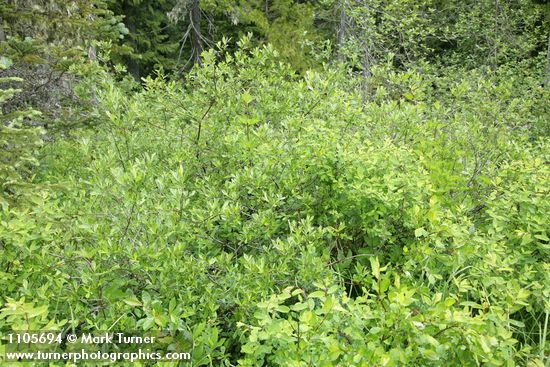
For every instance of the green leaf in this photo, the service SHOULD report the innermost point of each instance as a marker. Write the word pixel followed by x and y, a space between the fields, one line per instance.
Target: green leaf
pixel 133 301
pixel 420 232
pixel 246 98
pixel 375 266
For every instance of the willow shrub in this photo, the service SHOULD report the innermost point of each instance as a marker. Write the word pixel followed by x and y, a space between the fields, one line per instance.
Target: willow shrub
pixel 266 217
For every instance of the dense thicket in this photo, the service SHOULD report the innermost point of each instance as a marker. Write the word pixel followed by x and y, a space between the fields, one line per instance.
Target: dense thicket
pixel 352 183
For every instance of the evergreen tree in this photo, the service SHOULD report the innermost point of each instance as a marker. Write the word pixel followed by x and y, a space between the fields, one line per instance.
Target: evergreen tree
pixel 152 38
pixel 44 39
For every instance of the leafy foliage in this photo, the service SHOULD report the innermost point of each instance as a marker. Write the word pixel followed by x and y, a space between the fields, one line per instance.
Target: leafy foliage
pixel 386 208
pixel 277 218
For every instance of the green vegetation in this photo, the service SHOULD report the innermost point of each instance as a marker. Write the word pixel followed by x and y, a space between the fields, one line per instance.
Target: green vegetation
pixel 349 184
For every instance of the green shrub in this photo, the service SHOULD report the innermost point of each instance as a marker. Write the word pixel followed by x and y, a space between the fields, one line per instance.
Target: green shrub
pixel 262 217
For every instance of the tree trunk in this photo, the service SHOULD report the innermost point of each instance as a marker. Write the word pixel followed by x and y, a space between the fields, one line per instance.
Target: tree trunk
pixel 2 33
pixel 548 64
pixel 196 36
pixel 341 34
